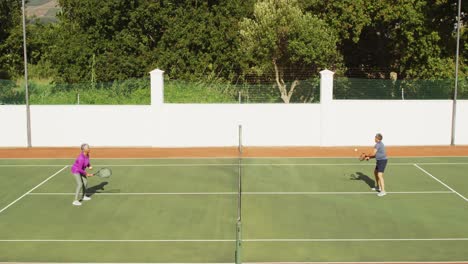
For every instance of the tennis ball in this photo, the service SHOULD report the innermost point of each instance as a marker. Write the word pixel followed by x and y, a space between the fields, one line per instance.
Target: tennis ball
pixel 355 150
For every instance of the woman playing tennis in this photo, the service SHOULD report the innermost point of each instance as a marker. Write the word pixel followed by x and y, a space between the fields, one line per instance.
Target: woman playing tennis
pixel 79 172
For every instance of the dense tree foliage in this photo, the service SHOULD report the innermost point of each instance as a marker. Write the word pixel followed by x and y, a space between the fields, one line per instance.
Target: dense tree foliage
pixel 10 38
pixel 118 39
pixel 414 38
pixel 281 37
pixel 223 39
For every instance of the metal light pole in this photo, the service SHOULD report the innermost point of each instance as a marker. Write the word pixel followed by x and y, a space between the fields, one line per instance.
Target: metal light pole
pixel 28 115
pixel 454 106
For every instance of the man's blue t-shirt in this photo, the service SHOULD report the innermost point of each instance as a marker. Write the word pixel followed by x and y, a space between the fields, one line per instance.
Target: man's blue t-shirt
pixel 381 153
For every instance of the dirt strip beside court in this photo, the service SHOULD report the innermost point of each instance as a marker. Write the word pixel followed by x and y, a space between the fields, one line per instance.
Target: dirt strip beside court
pixel 209 152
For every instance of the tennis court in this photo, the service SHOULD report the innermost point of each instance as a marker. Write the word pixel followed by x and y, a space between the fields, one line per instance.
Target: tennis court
pixel 186 210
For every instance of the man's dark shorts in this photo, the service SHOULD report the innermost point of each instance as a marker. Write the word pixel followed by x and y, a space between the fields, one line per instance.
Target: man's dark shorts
pixel 381 164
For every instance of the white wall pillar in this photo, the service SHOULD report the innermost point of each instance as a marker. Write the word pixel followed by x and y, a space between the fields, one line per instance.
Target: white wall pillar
pixel 326 86
pixel 157 107
pixel 326 99
pixel 157 87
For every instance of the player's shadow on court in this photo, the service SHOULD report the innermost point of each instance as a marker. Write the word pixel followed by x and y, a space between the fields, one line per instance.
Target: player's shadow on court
pixel 359 176
pixel 96 188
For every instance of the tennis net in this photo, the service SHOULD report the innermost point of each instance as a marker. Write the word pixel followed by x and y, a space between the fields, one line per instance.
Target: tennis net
pixel 239 202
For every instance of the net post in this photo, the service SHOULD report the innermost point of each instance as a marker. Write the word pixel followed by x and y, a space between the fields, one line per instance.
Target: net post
pixel 239 207
pixel 238 252
pixel 240 140
pixel 238 242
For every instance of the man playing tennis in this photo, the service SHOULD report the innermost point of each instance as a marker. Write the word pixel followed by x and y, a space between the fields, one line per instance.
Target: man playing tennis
pixel 79 172
pixel 381 157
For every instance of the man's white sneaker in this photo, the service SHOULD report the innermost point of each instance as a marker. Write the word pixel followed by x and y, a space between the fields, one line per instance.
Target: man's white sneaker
pixel 77 203
pixel 86 198
pixel 381 194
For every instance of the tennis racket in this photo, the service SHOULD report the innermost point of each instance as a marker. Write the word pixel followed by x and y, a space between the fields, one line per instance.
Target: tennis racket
pixel 103 173
pixel 362 157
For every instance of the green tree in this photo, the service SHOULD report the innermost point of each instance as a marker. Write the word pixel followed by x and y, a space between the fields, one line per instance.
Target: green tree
pixel 218 39
pixel 128 38
pixel 411 37
pixel 414 38
pixel 347 17
pixel 280 37
pixel 10 38
pixel 413 44
pixel 104 29
pixel 201 39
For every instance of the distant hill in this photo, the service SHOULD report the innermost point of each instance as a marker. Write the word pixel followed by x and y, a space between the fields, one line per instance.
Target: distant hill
pixel 44 10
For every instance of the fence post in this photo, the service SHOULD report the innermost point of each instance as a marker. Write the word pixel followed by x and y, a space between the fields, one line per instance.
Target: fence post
pixel 326 98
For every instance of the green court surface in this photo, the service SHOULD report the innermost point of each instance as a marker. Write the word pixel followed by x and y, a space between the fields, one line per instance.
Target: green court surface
pixel 185 211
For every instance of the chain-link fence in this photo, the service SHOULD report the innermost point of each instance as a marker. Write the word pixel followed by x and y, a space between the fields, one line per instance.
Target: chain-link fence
pixel 357 88
pixel 245 92
pixel 127 92
pixel 137 91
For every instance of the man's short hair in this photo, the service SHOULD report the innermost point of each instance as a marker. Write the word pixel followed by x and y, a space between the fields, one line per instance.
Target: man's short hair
pixel 379 136
pixel 84 146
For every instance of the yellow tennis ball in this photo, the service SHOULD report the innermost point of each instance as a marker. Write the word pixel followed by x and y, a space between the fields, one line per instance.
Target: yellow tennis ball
pixel 355 150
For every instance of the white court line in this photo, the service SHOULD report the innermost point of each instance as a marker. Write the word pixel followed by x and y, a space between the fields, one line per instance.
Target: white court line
pixel 192 262
pixel 236 156
pixel 441 182
pixel 30 165
pixel 63 262
pixel 346 262
pixel 28 192
pixel 213 165
pixel 354 239
pixel 315 164
pixel 443 163
pixel 236 164
pixel 244 240
pixel 250 164
pixel 128 165
pixel 349 262
pixel 271 262
pixel 148 193
pixel 117 240
pixel 324 193
pixel 251 193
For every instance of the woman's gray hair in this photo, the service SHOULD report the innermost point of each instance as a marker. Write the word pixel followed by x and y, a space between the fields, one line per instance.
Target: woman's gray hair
pixel 84 146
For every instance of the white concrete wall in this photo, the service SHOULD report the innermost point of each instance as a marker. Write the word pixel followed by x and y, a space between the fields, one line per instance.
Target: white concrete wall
pixel 98 125
pixel 13 126
pixel 355 122
pixel 461 125
pixel 330 123
pixel 217 125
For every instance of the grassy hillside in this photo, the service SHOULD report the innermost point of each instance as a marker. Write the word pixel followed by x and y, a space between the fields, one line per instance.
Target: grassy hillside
pixel 44 10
